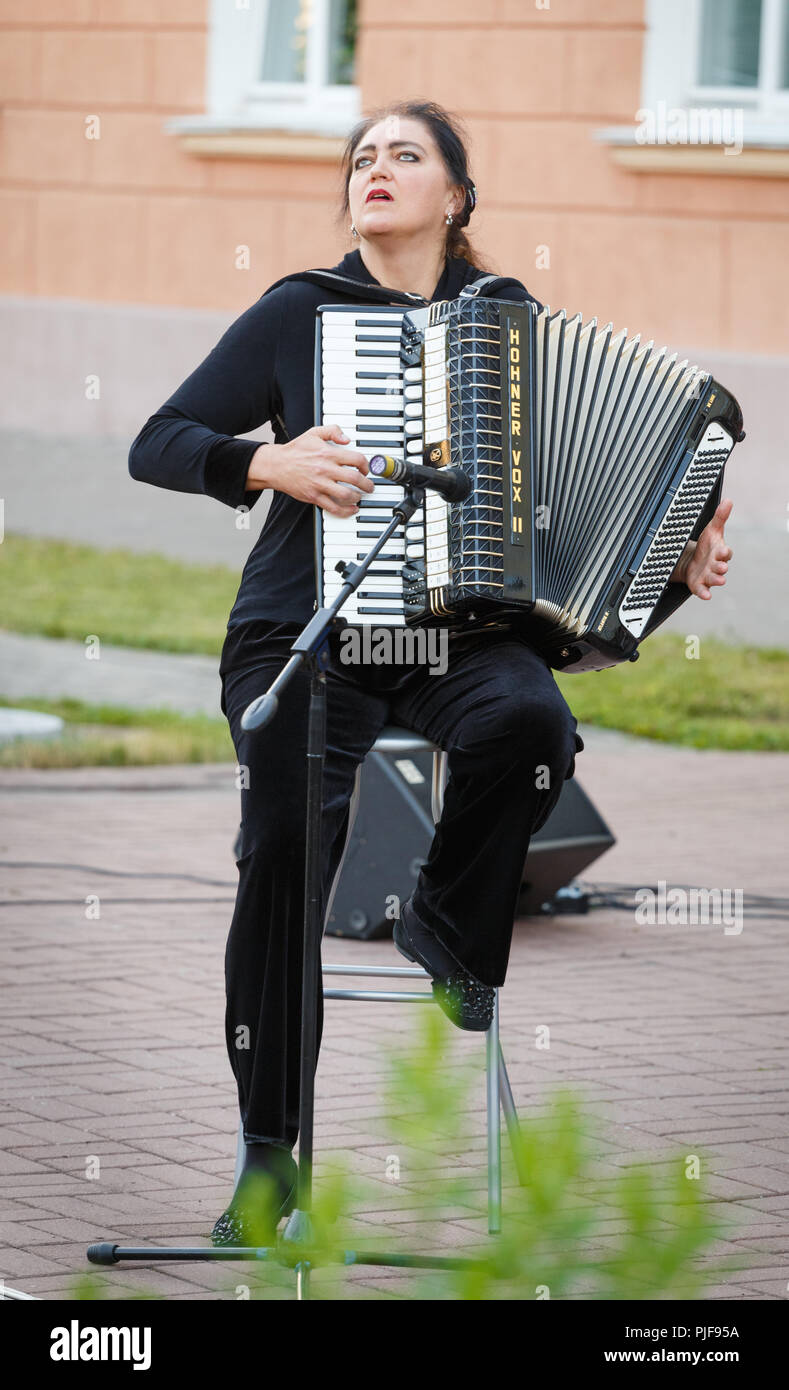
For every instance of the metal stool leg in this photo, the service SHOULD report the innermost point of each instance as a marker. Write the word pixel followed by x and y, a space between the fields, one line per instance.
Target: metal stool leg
pixel 440 774
pixel 511 1116
pixel 494 1121
pixel 240 1148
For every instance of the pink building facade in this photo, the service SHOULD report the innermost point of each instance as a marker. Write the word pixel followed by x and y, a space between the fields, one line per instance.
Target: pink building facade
pixel 163 161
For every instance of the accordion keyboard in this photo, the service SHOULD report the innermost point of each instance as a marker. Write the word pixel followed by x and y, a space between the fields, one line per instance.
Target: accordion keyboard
pixel 365 388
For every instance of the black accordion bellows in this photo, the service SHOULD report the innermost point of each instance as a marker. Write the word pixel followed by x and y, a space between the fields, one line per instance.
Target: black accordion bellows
pixel 593 458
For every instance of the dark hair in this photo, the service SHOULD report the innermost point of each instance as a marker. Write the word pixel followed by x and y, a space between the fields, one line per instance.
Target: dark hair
pixel 446 130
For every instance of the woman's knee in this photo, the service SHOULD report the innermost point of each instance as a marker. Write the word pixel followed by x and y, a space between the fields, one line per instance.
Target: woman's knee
pixel 274 815
pixel 533 728
pixel 272 836
pixel 272 808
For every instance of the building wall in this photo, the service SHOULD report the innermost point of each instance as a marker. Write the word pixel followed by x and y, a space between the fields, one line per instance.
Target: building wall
pixel 133 218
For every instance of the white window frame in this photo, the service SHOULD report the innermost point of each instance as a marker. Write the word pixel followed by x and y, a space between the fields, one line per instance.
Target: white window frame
pixel 671 52
pixel 238 99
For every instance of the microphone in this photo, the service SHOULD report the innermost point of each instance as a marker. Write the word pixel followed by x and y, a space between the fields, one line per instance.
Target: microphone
pixel 451 483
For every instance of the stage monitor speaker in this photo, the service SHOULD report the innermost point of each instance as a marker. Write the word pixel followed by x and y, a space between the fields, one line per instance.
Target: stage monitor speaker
pixel 393 830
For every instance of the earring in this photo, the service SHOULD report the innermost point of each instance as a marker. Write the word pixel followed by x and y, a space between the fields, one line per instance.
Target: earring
pixel 449 219
pixel 353 230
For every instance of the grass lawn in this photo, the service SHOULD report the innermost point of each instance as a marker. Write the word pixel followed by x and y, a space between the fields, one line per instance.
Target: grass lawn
pixel 728 697
pixel 56 589
pixel 111 736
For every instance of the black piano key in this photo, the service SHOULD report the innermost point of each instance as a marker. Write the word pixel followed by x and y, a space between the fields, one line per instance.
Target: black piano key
pixel 385 414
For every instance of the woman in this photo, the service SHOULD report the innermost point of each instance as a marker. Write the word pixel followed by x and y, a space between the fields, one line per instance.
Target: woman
pixel 496 708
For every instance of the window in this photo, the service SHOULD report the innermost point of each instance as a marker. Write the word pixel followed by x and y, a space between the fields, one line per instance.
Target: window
pixel 721 53
pixel 280 64
pixel 742 52
pixel 304 40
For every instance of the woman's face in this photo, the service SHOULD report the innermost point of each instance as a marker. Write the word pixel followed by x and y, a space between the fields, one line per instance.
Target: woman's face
pixel 398 157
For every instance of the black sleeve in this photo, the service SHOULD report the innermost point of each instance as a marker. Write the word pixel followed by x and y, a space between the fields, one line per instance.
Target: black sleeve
pixel 189 444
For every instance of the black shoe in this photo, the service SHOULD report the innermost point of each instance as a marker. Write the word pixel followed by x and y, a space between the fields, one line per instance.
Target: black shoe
pixel 255 1211
pixel 465 1000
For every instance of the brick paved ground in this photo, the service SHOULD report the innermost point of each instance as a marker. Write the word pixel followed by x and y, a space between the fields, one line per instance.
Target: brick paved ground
pixel 112 1031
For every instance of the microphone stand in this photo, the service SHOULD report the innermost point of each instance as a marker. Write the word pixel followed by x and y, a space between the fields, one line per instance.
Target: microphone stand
pixel 311 647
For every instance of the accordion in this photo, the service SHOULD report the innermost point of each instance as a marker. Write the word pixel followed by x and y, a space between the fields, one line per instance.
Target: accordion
pixel 592 457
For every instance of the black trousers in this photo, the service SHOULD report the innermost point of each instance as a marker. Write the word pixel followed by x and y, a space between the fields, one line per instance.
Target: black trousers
pixel 511 740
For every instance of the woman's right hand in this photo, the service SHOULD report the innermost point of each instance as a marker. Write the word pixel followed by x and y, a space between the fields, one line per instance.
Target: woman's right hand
pixel 314 467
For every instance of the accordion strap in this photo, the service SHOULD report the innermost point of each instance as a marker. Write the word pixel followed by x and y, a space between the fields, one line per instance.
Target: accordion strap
pixel 358 289
pixel 329 279
pixel 476 286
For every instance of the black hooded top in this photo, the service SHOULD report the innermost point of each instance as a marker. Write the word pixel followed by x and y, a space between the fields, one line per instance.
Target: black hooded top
pixel 262 369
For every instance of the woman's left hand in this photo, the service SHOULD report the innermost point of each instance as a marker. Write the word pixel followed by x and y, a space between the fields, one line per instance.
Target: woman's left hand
pixel 706 566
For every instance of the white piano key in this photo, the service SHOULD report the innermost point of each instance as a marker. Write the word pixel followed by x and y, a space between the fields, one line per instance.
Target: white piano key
pixel 350 407
pixel 362 373
pixel 382 405
pixel 337 547
pixel 381 584
pixel 390 583
pixel 381 605
pixel 343 381
pixel 350 411
pixel 374 528
pixel 391 401
pixel 380 435
pixel 383 384
pixel 392 564
pixel 373 520
pixel 362 342
pixel 388 389
pixel 354 328
pixel 375 362
pixel 354 312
